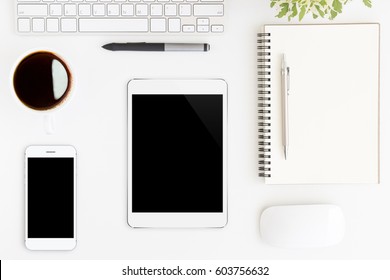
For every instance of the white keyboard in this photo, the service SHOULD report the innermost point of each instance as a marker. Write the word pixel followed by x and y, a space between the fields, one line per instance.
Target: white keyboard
pixel 120 16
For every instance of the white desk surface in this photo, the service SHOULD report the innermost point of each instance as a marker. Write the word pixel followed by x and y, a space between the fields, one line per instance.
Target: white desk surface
pixel 95 123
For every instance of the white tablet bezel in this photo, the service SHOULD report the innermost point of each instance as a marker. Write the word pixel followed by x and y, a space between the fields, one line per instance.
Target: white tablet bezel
pixel 168 86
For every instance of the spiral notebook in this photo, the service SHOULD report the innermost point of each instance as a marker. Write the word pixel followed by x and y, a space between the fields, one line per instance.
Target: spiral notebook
pixel 333 103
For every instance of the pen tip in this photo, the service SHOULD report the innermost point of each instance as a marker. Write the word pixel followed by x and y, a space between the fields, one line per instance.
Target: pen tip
pixel 107 47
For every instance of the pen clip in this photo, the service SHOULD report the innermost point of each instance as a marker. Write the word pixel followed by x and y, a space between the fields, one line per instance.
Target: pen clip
pixel 288 80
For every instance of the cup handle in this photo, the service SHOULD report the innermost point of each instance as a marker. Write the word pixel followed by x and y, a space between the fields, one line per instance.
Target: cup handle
pixel 48 122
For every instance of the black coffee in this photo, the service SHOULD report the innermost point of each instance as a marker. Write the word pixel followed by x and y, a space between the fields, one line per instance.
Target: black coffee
pixel 42 81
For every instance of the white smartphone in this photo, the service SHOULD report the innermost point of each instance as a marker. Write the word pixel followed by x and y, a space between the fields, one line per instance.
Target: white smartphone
pixel 50 197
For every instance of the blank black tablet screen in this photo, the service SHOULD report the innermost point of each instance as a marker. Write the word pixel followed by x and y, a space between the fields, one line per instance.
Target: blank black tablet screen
pixel 177 153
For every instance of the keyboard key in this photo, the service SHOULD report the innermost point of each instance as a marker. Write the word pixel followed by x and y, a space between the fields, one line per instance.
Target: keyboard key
pixel 141 10
pixel 55 10
pixel 98 10
pixel 68 25
pixel 217 28
pixel 203 21
pixel 84 10
pixel 70 9
pixel 188 28
pixel 113 25
pixel 203 28
pixel 32 10
pixel 156 10
pixel 38 25
pixel 208 10
pixel 170 10
pixel 113 10
pixel 24 25
pixel 174 25
pixel 185 9
pixel 52 25
pixel 127 10
pixel 158 25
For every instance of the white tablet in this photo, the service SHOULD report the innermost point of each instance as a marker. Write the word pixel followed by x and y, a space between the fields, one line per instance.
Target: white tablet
pixel 177 153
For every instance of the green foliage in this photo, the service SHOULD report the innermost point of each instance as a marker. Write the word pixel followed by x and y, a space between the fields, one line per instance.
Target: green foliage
pixel 318 8
pixel 367 3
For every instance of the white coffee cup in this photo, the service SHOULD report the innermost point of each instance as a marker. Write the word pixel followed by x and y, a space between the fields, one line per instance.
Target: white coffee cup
pixel 42 83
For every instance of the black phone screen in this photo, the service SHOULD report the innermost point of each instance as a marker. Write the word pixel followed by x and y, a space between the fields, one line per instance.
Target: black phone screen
pixel 50 197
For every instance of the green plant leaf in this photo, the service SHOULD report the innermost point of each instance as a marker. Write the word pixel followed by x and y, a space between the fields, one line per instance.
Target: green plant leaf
pixel 283 11
pixel 323 3
pixel 302 13
pixel 294 10
pixel 321 13
pixel 337 6
pixel 333 14
pixel 367 3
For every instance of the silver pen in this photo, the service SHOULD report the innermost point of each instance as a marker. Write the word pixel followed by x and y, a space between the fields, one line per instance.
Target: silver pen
pixel 285 94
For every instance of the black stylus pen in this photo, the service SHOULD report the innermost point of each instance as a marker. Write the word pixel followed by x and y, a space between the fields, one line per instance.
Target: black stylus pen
pixel 157 47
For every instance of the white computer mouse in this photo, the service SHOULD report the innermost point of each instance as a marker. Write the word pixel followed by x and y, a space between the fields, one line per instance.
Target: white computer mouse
pixel 302 226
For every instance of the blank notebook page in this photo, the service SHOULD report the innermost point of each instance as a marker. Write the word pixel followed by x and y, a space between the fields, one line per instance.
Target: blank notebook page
pixel 333 104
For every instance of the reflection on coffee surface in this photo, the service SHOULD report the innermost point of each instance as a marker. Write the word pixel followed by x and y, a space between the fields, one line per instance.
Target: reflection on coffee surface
pixel 42 81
